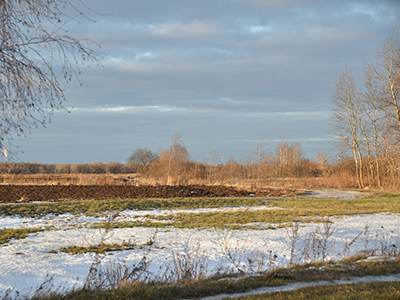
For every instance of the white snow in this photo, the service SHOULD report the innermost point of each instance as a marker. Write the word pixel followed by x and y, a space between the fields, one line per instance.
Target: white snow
pixel 25 263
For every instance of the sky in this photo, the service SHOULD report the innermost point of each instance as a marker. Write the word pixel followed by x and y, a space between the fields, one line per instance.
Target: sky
pixel 223 74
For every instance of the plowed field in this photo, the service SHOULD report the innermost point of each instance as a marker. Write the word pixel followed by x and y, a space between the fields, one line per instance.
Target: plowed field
pixel 29 193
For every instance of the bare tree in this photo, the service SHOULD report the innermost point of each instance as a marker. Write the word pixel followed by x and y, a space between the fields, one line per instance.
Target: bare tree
pixel 323 161
pixel 35 52
pixel 375 123
pixel 287 158
pixel 345 120
pixel 386 72
pixel 210 162
pixel 260 154
pixel 282 158
pixel 385 77
pixel 142 158
pixel 177 157
pixel 296 154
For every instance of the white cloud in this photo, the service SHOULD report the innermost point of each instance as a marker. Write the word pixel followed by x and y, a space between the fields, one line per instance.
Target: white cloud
pixel 191 29
pixel 135 109
pixel 260 29
pixel 376 11
pixel 145 56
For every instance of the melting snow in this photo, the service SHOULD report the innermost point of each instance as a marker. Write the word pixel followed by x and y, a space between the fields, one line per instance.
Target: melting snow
pixel 25 263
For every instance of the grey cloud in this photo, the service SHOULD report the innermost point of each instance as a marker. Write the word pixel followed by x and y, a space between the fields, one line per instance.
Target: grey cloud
pixel 85 135
pixel 222 72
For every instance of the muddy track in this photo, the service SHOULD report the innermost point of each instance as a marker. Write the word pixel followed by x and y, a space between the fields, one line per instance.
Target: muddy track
pixel 29 193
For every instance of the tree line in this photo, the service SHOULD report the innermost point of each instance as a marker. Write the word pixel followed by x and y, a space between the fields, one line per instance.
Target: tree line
pixel 286 166
pixel 92 168
pixel 174 165
pixel 366 123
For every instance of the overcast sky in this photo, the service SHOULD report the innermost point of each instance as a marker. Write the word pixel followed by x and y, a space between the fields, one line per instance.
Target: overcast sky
pixel 225 74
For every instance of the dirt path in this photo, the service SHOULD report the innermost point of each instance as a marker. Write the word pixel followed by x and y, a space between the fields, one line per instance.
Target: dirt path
pixel 337 194
pixel 298 285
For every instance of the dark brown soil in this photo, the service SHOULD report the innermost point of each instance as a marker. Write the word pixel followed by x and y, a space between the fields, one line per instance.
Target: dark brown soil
pixel 28 193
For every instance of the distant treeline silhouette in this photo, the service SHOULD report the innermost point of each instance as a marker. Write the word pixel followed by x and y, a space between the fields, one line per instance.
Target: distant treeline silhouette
pixel 92 168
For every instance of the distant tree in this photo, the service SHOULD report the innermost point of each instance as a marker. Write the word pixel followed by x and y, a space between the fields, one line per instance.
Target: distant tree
pixel 259 161
pixel 178 157
pixel 323 160
pixel 173 163
pixel 210 163
pixel 287 158
pixel 233 169
pixel 114 168
pixel 142 158
pixel 35 52
pixel 63 168
pixel 178 153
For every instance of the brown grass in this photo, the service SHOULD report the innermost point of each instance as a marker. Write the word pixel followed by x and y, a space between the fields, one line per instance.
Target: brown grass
pixel 339 176
pixel 64 179
pixel 334 181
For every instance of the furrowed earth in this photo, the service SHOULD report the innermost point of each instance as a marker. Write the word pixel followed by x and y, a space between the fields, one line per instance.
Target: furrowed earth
pixel 33 193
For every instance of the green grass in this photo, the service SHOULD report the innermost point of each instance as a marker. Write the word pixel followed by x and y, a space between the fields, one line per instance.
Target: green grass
pixel 101 249
pixel 99 207
pixel 330 207
pixel 230 220
pixel 288 210
pixel 291 208
pixel 7 234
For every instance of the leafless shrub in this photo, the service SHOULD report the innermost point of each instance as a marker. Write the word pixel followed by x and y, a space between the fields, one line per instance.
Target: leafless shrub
pixel 327 243
pixel 388 245
pixel 294 237
pixel 191 264
pixel 365 237
pixel 235 251
pixel 115 273
pixel 41 291
pixel 318 243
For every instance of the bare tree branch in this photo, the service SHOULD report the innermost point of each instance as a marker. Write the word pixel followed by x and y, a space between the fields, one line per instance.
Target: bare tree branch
pixel 35 53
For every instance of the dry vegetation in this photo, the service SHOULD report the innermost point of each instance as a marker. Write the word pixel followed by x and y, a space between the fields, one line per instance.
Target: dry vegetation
pixel 285 168
pixel 95 173
pixel 270 171
pixel 64 179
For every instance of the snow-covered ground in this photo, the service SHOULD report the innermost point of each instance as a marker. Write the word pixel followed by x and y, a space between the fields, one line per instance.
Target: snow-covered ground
pixel 25 263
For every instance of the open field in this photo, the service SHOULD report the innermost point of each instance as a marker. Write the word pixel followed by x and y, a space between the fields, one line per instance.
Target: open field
pixel 195 239
pixel 33 193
